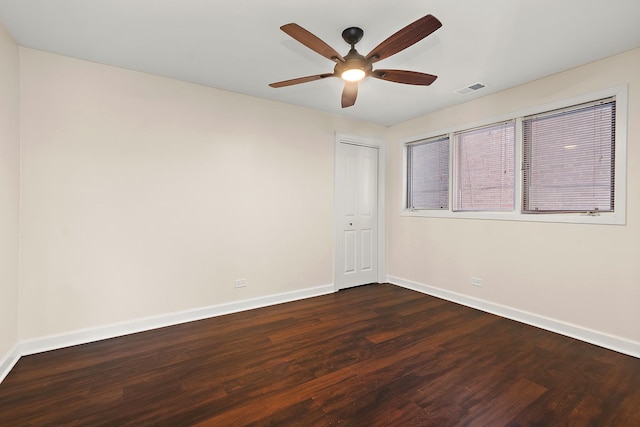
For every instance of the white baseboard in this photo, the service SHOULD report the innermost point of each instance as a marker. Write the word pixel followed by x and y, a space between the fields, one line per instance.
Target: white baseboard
pixel 611 342
pixel 8 361
pixel 39 345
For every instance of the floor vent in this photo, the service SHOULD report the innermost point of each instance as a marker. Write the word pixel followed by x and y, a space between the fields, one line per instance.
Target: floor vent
pixel 471 88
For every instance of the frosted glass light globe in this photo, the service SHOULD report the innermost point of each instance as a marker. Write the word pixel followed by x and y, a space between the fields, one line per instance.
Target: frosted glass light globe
pixel 353 75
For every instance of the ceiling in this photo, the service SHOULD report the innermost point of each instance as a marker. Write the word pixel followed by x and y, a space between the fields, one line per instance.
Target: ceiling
pixel 236 45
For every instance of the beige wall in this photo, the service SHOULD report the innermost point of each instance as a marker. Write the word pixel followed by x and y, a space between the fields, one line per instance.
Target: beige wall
pixel 585 275
pixel 144 196
pixel 9 189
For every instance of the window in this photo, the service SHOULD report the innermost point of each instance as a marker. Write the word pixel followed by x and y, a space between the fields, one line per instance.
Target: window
pixel 483 168
pixel 562 162
pixel 428 174
pixel 568 163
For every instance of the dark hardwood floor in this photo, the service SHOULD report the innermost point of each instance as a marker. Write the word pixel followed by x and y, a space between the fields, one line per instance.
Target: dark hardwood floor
pixel 376 355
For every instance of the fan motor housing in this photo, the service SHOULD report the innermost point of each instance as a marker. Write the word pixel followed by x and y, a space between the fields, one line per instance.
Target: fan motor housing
pixel 353 60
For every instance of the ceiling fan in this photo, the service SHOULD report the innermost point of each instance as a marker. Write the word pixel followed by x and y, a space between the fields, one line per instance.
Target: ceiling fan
pixel 353 67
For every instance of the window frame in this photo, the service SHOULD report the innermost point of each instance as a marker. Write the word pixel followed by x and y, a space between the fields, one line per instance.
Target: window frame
pixel 617 217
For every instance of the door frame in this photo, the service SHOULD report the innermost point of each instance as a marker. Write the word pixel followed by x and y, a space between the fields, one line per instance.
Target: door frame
pixel 337 216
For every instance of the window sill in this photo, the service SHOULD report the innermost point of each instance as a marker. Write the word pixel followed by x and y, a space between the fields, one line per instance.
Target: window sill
pixel 605 218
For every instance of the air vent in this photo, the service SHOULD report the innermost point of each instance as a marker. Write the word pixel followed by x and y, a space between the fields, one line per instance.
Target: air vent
pixel 471 88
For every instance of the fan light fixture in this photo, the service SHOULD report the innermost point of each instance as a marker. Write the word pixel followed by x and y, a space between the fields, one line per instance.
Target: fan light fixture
pixel 354 67
pixel 353 75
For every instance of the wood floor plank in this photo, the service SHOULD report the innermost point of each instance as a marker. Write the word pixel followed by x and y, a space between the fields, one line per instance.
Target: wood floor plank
pixel 507 405
pixel 377 355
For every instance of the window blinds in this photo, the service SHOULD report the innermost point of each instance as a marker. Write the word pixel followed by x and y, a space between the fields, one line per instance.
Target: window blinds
pixel 483 168
pixel 428 173
pixel 568 159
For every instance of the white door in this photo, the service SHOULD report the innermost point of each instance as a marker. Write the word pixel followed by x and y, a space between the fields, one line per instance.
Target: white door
pixel 356 215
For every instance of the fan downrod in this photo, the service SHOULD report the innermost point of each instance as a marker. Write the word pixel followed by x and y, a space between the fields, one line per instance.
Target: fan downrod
pixel 352 35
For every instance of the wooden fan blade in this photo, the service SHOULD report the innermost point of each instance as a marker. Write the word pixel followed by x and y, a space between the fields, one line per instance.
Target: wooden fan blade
pixel 301 80
pixel 404 38
pixel 349 94
pixel 312 42
pixel 404 76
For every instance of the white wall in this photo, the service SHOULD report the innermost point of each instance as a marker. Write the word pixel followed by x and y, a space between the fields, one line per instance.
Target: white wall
pixel 582 275
pixel 144 196
pixel 9 186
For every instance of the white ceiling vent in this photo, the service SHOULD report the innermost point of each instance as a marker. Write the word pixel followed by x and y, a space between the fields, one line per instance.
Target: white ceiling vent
pixel 471 88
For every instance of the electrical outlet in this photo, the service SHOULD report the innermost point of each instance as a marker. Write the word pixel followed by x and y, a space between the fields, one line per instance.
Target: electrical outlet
pixel 240 283
pixel 476 281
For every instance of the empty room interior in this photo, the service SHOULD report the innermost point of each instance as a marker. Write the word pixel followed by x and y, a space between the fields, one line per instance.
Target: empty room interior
pixel 407 249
